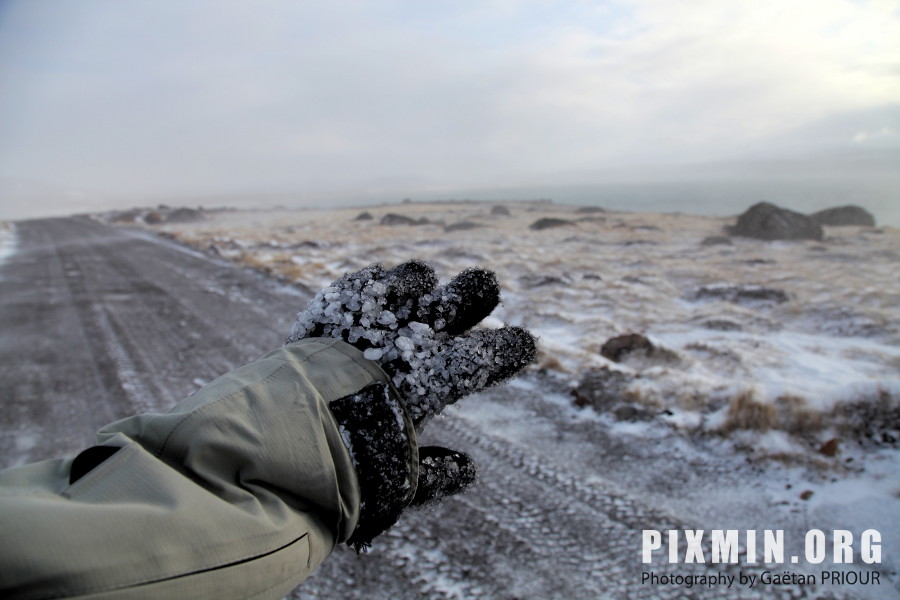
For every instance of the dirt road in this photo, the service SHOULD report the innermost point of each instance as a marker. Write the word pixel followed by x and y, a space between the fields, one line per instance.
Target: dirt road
pixel 98 323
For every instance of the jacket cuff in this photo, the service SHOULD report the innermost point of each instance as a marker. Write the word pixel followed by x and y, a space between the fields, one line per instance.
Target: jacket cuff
pixel 382 443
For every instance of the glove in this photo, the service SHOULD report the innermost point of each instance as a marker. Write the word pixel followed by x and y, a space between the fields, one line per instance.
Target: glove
pixel 419 333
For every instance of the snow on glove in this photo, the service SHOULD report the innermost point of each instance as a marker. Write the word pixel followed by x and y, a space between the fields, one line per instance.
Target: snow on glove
pixel 415 331
pixel 420 335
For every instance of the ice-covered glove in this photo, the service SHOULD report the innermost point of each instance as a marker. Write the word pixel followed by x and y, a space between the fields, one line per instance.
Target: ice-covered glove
pixel 422 336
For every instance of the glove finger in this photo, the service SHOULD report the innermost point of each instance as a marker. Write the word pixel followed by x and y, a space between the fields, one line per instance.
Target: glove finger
pixel 463 303
pixel 501 352
pixel 406 283
pixel 464 365
pixel 442 472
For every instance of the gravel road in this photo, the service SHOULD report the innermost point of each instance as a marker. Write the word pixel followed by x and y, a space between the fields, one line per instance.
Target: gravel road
pixel 98 323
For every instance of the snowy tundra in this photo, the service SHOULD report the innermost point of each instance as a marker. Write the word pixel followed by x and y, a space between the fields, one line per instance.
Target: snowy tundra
pixel 765 393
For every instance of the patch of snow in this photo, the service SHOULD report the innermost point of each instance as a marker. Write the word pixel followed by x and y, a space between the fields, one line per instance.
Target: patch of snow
pixel 7 240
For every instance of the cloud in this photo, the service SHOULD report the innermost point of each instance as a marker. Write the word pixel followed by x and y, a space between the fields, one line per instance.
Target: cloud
pixel 200 96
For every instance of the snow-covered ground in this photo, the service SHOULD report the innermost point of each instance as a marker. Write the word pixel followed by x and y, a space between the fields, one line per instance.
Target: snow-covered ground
pixel 777 358
pixel 805 328
pixel 7 239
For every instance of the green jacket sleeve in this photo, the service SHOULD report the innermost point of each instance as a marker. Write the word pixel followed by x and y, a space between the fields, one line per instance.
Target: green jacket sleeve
pixel 239 491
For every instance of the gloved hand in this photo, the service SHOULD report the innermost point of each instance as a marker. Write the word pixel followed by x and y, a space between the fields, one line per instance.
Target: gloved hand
pixel 419 334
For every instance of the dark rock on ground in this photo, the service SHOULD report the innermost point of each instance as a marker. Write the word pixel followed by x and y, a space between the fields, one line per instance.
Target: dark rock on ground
pixel 535 281
pixel 462 226
pixel 615 349
pixel 717 240
pixel 831 447
pixel 550 223
pixel 722 325
pixel 740 294
pixel 871 421
pixel 364 216
pixel 844 215
pixel 500 211
pixel 395 219
pixel 631 413
pixel 184 215
pixel 128 216
pixel 601 388
pixel 766 221
pixel 587 210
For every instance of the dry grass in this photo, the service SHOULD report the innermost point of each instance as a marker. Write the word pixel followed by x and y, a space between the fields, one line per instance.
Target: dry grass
pixel 746 412
pixel 796 416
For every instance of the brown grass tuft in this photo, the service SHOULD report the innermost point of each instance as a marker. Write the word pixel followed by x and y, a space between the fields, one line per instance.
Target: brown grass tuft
pixel 547 362
pixel 745 412
pixel 796 417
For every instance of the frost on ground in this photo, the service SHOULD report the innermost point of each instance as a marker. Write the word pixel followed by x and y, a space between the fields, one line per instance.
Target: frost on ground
pixel 793 337
pixel 774 358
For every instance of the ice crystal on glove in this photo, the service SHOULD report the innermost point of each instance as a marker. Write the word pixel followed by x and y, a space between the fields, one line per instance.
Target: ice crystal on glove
pixel 415 330
pixel 422 336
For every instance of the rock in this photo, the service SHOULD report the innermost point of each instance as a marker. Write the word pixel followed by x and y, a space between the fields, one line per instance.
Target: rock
pixel 615 349
pixel 462 226
pixel 766 221
pixel 844 215
pixel 550 223
pixel 500 211
pixel 588 210
pixel 364 216
pixel 535 281
pixel 153 218
pixel 716 240
pixel 806 494
pixel 395 219
pixel 740 294
pixel 631 413
pixel 601 388
pixel 128 216
pixel 184 215
pixel 830 448
pixel 722 325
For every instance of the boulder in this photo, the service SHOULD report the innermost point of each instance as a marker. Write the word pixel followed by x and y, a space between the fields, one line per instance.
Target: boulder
pixel 717 240
pixel 549 223
pixel 844 215
pixel 462 226
pixel 153 218
pixel 184 215
pixel 602 389
pixel 500 211
pixel 616 348
pixel 364 216
pixel 395 219
pixel 766 221
pixel 722 325
pixel 740 294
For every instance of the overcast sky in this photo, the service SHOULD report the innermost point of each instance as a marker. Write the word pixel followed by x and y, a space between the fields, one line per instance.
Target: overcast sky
pixel 149 98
